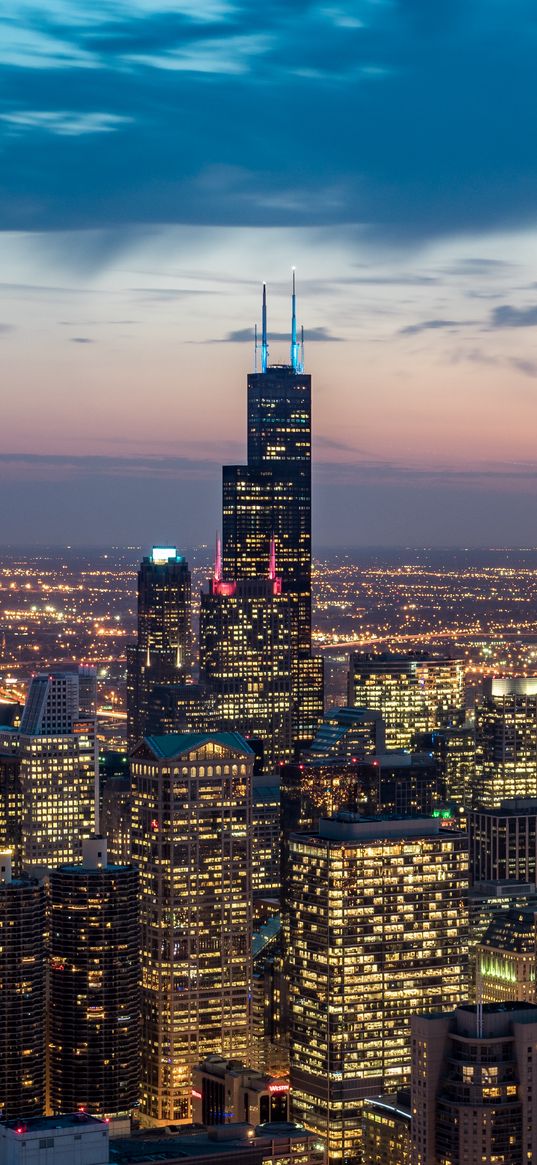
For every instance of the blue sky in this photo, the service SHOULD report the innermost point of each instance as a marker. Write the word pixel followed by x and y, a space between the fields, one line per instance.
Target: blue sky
pixel 160 159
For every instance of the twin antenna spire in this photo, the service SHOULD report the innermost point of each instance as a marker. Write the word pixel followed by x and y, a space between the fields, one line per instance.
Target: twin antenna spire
pixel 297 346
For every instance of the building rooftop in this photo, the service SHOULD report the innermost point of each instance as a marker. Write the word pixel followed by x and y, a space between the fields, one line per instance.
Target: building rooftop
pixel 175 1143
pixel 45 1124
pixel 177 743
pixel 350 827
pixel 512 930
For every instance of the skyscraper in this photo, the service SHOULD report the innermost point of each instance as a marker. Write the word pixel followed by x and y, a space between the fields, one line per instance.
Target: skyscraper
pixel 94 1009
pixel 377 931
pixel 413 693
pixel 49 772
pixel 191 840
pixel 506 741
pixel 270 498
pixel 473 1092
pixel 162 652
pixel 245 659
pixel 22 994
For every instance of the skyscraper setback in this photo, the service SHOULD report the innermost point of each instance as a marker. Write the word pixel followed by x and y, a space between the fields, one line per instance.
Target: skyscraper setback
pixel 270 499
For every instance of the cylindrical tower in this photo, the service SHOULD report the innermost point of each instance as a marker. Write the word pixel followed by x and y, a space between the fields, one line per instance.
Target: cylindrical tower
pixel 94 1027
pixel 22 995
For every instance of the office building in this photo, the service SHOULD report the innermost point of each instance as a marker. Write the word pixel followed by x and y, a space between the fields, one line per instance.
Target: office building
pixel 94 1009
pixel 377 931
pixel 503 842
pixel 191 840
pixel 347 733
pixel 454 751
pixel 22 994
pixel 49 771
pixel 506 741
pixel 162 653
pixel 473 1092
pixel 387 1137
pixel 228 1092
pixel 270 1052
pixel 270 499
pixel 506 958
pixel 10 797
pixel 413 693
pixel 245 660
pixel 266 836
pixel 57 701
pixel 409 783
pixel 182 707
pixel 115 819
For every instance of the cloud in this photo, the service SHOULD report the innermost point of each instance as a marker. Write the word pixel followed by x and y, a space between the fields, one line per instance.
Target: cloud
pixel 431 326
pixel 507 316
pixel 81 340
pixel 232 108
pixel 64 123
pixel 246 336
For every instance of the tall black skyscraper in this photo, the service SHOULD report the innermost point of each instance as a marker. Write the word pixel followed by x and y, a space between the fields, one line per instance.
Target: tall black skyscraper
pixel 270 498
pixel 162 654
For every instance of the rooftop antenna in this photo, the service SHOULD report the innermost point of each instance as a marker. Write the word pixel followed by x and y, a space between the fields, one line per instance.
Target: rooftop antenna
pixel 301 369
pixel 272 559
pixel 294 345
pixel 264 343
pixel 218 560
pixel 255 347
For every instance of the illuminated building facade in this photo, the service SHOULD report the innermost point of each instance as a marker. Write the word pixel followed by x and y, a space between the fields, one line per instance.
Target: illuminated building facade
pixel 163 650
pixel 506 741
pixel 22 994
pixel 48 771
pixel 506 958
pixel 191 841
pixel 10 797
pixel 387 1129
pixel 266 836
pixel 377 931
pixel 454 751
pixel 245 660
pixel 227 1092
pixel 345 733
pixel 413 693
pixel 270 499
pixel 473 1091
pixel 94 1008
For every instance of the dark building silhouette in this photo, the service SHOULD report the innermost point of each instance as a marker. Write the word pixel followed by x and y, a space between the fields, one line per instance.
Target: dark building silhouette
pixel 270 498
pixel 22 995
pixel 162 653
pixel 94 1025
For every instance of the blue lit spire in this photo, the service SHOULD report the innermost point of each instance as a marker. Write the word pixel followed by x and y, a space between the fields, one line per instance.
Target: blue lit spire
pixel 294 344
pixel 264 341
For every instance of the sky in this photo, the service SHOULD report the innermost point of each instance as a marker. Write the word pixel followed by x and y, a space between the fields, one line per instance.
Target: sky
pixel 161 158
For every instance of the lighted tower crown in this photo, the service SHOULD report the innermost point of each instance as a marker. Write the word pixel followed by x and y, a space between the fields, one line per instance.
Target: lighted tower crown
pixel 297 346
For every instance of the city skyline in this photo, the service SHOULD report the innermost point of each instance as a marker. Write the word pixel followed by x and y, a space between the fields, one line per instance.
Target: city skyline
pixel 134 247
